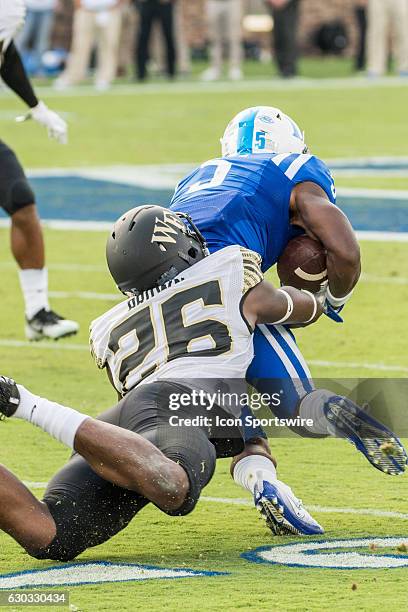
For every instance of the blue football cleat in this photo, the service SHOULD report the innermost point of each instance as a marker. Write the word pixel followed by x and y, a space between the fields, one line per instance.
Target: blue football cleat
pixel 283 511
pixel 377 443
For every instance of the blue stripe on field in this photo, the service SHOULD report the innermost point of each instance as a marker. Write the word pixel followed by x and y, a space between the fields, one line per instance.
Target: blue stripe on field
pixel 376 213
pixel 82 199
pixel 78 198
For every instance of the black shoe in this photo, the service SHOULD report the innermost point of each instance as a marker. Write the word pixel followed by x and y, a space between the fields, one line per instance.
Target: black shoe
pixel 9 397
pixel 48 324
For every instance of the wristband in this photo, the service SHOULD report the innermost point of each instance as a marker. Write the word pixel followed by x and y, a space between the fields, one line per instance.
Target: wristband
pixel 314 303
pixel 335 301
pixel 289 310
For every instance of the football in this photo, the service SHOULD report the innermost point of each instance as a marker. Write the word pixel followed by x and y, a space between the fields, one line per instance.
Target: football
pixel 303 264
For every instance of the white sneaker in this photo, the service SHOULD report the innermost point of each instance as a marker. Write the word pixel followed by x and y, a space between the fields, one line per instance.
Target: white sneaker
pixel 211 74
pixel 48 324
pixel 61 84
pixel 102 86
pixel 235 74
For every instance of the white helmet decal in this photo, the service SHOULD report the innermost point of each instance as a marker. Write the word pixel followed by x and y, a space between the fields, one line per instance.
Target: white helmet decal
pixel 262 129
pixel 163 228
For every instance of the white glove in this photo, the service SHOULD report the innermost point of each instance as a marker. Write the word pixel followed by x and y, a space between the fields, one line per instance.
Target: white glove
pixel 56 126
pixel 324 294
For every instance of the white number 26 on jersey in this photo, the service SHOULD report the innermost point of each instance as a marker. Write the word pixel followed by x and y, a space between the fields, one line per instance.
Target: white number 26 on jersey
pixel 221 169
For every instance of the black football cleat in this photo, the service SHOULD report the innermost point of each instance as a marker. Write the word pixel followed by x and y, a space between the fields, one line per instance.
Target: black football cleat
pixel 9 397
pixel 49 324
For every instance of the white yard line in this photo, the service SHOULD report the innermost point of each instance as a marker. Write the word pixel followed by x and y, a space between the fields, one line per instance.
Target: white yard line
pixel 388 280
pixel 45 345
pixel 369 236
pixel 382 367
pixel 70 225
pixel 247 502
pixel 64 267
pixel 364 162
pixel 87 295
pixel 90 295
pixel 230 87
pixel 314 508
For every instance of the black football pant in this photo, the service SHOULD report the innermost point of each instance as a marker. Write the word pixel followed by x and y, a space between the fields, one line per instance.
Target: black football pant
pixel 150 11
pixel 89 510
pixel 285 37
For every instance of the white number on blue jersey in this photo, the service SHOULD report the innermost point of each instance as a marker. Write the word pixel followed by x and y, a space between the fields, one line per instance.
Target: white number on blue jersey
pixel 222 168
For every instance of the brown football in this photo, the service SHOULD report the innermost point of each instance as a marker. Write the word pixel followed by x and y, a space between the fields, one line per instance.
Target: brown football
pixel 303 264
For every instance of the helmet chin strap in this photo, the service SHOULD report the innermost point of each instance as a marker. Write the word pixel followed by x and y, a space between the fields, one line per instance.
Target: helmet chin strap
pixel 194 232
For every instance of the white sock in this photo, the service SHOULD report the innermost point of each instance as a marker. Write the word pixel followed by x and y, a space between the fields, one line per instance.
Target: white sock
pixel 34 285
pixel 249 470
pixel 311 407
pixel 60 422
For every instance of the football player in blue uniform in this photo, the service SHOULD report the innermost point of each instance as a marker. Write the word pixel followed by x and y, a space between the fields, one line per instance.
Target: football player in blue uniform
pixel 264 190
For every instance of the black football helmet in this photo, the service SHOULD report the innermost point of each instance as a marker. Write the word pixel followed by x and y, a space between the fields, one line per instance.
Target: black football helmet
pixel 150 245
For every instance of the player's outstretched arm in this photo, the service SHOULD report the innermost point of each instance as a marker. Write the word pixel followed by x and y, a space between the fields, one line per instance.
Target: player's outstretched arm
pixel 265 304
pixel 14 75
pixel 324 221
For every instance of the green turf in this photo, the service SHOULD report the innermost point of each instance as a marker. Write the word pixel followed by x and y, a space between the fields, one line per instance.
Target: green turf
pixel 326 473
pixel 184 127
pixel 168 127
pixel 374 182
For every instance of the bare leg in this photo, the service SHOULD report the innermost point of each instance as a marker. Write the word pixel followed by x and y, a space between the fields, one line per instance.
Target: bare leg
pixel 119 456
pixel 27 243
pixel 23 516
pixel 130 461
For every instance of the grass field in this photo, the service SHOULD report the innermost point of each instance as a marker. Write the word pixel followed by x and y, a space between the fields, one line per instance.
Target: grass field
pixel 159 124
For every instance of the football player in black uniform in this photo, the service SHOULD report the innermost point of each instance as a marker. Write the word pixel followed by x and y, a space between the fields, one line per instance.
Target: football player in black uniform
pixel 16 196
pixel 186 326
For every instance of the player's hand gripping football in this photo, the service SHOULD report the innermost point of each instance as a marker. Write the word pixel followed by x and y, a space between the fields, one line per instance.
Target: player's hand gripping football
pixel 57 128
pixel 332 306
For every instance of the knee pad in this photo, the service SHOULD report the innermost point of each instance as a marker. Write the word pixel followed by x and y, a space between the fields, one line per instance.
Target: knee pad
pixel 190 448
pixel 55 552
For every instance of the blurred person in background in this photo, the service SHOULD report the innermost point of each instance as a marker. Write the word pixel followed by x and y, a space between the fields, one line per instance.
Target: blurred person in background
pixel 182 47
pixel 157 47
pixel 130 20
pixel 95 21
pixel 224 25
pixel 152 11
pixel 385 16
pixel 16 196
pixel 285 15
pixel 35 35
pixel 360 12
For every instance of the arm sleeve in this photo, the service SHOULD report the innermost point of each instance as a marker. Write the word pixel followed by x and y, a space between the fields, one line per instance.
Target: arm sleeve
pixel 14 75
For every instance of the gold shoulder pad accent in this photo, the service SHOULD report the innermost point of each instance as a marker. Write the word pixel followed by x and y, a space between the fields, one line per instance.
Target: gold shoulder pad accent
pixel 252 269
pixel 98 360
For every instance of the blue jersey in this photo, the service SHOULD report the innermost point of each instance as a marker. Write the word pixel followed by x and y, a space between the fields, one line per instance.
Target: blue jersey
pixel 245 199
